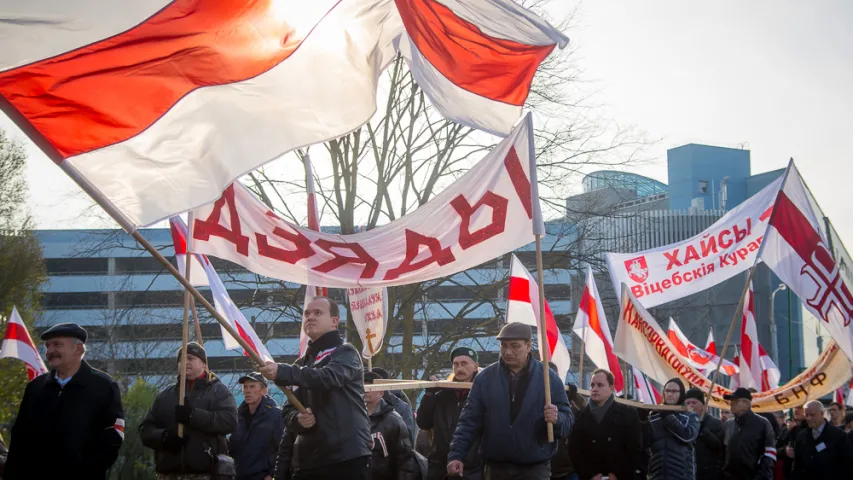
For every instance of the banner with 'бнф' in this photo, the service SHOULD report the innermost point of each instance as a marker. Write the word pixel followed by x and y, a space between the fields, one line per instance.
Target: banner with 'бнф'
pixel 641 342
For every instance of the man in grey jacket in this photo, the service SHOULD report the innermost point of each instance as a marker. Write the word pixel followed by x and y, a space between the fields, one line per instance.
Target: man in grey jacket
pixel 208 414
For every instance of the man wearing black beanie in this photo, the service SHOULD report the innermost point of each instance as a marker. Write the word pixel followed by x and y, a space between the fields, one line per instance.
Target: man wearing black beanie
pixel 709 445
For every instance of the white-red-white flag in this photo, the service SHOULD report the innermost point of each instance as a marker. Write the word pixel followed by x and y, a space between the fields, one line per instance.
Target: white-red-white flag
pixel 646 392
pixel 523 306
pixel 591 326
pixel 711 345
pixel 698 357
pixel 770 374
pixel 208 90
pixel 838 396
pixel 750 356
pixel 797 251
pixel 311 291
pixel 180 240
pixel 850 394
pixel 221 299
pixel 17 343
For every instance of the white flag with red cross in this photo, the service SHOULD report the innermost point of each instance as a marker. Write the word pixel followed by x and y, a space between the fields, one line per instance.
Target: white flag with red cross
pixel 591 326
pixel 523 306
pixel 17 343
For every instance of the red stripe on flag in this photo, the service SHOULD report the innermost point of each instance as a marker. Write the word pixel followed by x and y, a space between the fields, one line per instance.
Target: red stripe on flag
pixel 112 90
pixel 247 338
pixel 519 289
pixel 498 69
pixel 179 239
pixel 519 180
pixel 589 306
pixel 794 227
pixel 16 331
pixel 745 340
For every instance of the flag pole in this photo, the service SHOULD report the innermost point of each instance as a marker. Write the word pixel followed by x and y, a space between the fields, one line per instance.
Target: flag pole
pixel 185 333
pixel 544 347
pixel 580 368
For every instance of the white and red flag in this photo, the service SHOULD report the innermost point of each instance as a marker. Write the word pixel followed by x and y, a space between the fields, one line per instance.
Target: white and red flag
pixel 646 392
pixel 221 300
pixel 750 356
pixel 179 241
pixel 591 326
pixel 523 306
pixel 311 291
pixel 850 394
pixel 838 396
pixel 698 357
pixel 770 374
pixel 797 251
pixel 17 343
pixel 127 98
pixel 711 345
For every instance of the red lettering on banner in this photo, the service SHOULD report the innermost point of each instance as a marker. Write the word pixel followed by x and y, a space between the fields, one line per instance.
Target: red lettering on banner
pixel 764 216
pixel 690 254
pixel 414 241
pixel 723 243
pixel 361 258
pixel 204 229
pixel 708 245
pixel 740 235
pixel 673 259
pixel 301 242
pixel 519 180
pixel 498 204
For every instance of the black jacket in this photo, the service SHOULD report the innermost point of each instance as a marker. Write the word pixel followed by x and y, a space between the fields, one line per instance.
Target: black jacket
pixel 254 444
pixel 750 448
pixel 78 428
pixel 439 411
pixel 400 401
pixel 392 446
pixel 284 456
pixel 672 435
pixel 613 446
pixel 834 460
pixel 710 451
pixel 214 416
pixel 330 378
pixel 561 462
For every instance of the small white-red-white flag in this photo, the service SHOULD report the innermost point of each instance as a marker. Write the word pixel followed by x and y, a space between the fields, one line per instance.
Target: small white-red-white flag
pixel 311 291
pixel 770 373
pixel 838 397
pixel 646 392
pixel 750 357
pixel 523 306
pixel 711 345
pixel 591 326
pixel 700 358
pixel 17 343
pixel 181 241
pixel 850 394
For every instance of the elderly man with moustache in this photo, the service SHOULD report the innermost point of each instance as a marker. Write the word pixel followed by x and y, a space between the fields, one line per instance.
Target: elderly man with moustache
pixel 506 412
pixel 72 417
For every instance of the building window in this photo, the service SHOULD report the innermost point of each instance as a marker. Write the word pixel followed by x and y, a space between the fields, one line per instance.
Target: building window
pixel 703 186
pixel 70 300
pixel 76 266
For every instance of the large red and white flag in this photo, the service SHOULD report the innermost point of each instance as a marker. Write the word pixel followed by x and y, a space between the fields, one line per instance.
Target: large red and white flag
pixel 17 343
pixel 591 326
pixel 698 357
pixel 796 250
pixel 523 306
pixel 221 300
pixel 311 291
pixel 128 98
pixel 646 392
pixel 750 356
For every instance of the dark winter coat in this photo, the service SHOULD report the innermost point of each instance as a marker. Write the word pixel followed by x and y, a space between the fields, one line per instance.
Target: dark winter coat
pixel 834 460
pixel 392 447
pixel 710 451
pixel 486 416
pixel 254 444
pixel 672 435
pixel 213 417
pixel 284 456
pixel 77 428
pixel 750 448
pixel 613 446
pixel 330 378
pixel 439 411
pixel 400 401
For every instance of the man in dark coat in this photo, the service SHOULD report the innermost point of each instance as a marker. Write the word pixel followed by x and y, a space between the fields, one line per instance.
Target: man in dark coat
pixel 71 419
pixel 506 411
pixel 562 467
pixel 400 401
pixel 392 456
pixel 439 412
pixel 607 439
pixel 749 439
pixel 671 436
pixel 208 414
pixel 254 444
pixel 822 451
pixel 794 428
pixel 333 434
pixel 710 451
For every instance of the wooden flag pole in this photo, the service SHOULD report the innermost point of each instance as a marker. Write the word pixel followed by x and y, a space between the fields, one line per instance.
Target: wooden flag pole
pixel 580 369
pixel 543 329
pixel 185 333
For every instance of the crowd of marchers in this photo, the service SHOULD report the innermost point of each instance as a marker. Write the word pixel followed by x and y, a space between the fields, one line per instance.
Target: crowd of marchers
pixel 71 423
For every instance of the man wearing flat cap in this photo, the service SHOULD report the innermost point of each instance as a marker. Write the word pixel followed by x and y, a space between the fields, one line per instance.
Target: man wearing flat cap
pixel 749 440
pixel 506 412
pixel 72 416
pixel 439 411
pixel 208 414
pixel 254 444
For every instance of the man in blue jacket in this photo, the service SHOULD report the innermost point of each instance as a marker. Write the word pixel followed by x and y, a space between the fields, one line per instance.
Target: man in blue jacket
pixel 254 444
pixel 506 411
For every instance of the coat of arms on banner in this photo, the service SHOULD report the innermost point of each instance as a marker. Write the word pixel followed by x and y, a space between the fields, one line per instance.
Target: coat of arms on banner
pixel 637 269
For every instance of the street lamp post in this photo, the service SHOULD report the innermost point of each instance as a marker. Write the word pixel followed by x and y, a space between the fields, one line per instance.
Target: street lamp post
pixel 774 343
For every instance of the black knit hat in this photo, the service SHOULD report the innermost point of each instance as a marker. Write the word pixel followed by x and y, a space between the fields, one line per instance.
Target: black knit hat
pixel 464 351
pixel 695 394
pixel 196 350
pixel 739 393
pixel 370 376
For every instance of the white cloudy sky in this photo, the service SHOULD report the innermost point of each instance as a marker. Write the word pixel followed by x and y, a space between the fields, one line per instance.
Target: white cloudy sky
pixel 776 76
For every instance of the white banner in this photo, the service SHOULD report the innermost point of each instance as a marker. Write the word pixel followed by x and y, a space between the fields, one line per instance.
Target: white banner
pixel 369 308
pixel 641 342
pixel 725 249
pixel 487 212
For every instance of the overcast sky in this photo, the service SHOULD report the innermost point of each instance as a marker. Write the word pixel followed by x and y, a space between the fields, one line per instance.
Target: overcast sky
pixel 773 76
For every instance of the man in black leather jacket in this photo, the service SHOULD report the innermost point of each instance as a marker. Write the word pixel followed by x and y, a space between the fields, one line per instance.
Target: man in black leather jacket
pixel 392 446
pixel 333 435
pixel 749 439
pixel 709 447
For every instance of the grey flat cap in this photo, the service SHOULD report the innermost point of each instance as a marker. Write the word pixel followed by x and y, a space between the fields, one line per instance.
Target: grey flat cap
pixel 515 331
